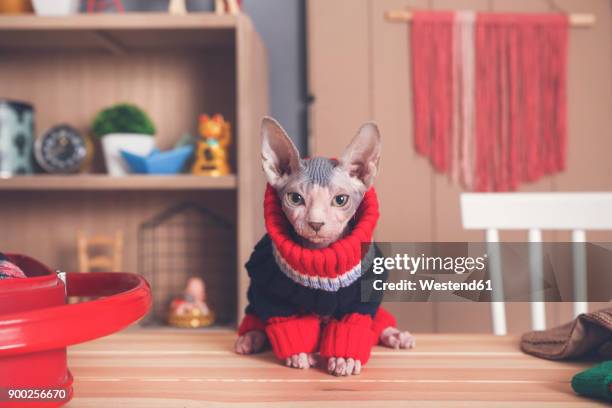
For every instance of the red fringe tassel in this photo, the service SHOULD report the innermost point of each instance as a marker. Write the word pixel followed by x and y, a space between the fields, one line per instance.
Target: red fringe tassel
pixel 521 108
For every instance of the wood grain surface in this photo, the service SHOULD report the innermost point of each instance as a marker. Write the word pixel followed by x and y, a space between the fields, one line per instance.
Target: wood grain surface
pixel 172 368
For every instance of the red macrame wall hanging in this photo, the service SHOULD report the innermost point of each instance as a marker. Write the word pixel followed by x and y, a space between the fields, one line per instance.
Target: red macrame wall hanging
pixel 489 102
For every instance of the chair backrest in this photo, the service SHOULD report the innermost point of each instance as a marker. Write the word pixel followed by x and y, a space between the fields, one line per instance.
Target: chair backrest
pixel 535 212
pixel 110 257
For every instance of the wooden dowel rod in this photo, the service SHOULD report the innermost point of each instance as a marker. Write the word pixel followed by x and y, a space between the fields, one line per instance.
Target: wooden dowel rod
pixel 575 19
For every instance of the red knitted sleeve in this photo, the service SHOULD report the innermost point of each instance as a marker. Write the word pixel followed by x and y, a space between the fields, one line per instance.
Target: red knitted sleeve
pixel 293 335
pixel 351 337
pixel 249 323
pixel 382 320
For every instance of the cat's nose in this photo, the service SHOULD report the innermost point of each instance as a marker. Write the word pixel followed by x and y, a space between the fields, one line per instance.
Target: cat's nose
pixel 316 225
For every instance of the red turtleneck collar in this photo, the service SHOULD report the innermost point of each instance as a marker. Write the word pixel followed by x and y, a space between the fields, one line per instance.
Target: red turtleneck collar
pixel 329 268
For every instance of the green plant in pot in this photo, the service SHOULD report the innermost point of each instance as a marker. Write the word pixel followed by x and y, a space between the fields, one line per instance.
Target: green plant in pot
pixel 123 127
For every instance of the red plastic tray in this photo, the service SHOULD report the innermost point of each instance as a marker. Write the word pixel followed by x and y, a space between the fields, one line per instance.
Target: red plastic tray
pixel 36 324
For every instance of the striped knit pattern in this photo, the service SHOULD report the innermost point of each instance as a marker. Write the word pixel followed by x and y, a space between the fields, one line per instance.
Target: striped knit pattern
pixel 322 282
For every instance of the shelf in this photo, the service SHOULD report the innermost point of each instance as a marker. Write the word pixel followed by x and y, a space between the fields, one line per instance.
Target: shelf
pixel 117 33
pixel 100 182
pixel 175 68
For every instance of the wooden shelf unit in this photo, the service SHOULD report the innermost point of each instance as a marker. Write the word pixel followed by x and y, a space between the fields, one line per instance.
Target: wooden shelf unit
pixel 175 68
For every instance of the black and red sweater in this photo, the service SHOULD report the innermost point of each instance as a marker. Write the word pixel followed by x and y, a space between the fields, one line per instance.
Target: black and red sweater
pixel 310 299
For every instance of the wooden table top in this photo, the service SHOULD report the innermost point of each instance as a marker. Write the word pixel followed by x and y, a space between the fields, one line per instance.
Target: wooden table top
pixel 172 368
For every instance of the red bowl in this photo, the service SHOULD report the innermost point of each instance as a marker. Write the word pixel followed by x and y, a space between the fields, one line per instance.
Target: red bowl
pixel 36 324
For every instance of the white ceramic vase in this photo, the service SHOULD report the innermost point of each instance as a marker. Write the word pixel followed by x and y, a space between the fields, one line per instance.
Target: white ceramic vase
pixel 56 7
pixel 130 142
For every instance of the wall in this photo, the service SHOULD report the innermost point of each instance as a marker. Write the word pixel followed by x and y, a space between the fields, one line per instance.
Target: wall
pixel 359 69
pixel 281 26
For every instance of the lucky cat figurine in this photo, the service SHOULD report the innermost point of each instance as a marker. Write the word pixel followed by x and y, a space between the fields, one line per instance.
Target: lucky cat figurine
pixel 211 157
pixel 304 294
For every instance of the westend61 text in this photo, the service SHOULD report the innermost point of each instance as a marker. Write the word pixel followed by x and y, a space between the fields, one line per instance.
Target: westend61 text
pixel 432 285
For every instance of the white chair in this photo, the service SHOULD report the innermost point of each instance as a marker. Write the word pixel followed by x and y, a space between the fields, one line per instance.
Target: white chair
pixel 535 212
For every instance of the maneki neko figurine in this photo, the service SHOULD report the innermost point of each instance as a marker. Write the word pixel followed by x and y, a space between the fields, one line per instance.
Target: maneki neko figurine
pixel 211 157
pixel 191 310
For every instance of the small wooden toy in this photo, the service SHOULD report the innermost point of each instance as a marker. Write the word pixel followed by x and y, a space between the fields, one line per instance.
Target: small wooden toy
pixel 228 6
pixel 103 5
pixel 177 7
pixel 191 310
pixel 211 158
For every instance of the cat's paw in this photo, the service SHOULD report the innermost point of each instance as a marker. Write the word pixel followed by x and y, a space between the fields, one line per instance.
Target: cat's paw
pixel 343 366
pixel 250 342
pixel 301 360
pixel 394 338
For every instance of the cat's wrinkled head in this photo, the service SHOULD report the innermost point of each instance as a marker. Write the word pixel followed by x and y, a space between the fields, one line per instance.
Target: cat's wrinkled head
pixel 319 196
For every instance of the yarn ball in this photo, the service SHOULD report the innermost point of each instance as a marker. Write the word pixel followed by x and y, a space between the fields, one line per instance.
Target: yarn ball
pixel 9 270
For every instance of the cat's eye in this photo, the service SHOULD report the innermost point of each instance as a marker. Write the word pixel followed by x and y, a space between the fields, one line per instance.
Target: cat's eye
pixel 340 200
pixel 295 198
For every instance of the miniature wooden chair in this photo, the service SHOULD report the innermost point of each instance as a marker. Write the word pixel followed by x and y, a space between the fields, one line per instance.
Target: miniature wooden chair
pixel 108 254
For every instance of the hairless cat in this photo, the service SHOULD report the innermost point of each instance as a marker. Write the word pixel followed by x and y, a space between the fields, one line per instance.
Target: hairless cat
pixel 304 294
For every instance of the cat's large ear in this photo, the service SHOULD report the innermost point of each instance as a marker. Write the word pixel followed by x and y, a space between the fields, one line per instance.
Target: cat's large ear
pixel 361 157
pixel 279 156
